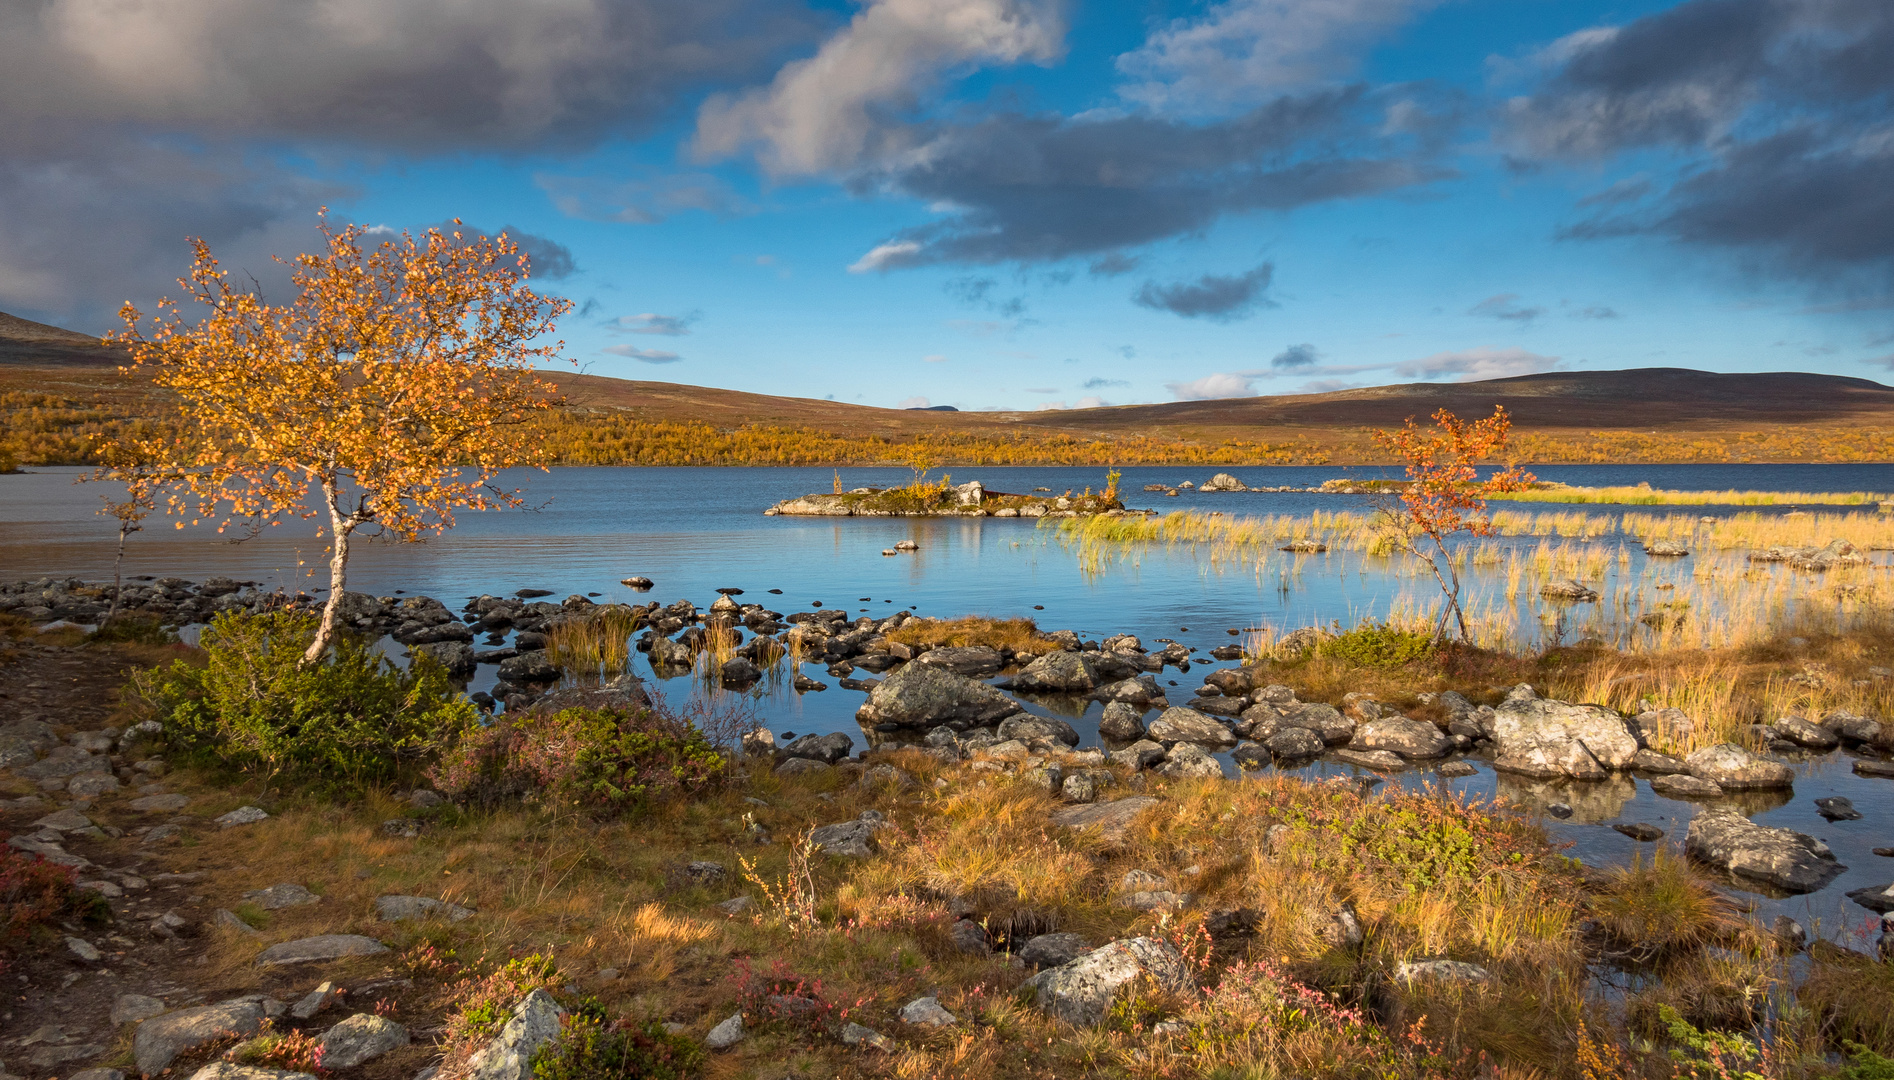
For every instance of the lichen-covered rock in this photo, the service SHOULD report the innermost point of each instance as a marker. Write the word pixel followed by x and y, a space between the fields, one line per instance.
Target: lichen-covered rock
pixel 1543 738
pixel 1733 768
pixel 1027 728
pixel 359 1039
pixel 1781 858
pixel 1325 720
pixel 1181 725
pixel 321 947
pixel 1406 737
pixel 161 1039
pixel 1121 723
pixel 1065 671
pixel 1082 991
pixel 924 696
pixel 848 839
pixel 534 1023
pixel 974 661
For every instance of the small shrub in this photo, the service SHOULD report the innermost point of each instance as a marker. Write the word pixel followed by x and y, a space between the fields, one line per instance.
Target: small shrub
pixel 1378 644
pixel 33 893
pixel 593 1049
pixel 482 1004
pixel 294 1051
pixel 135 629
pixel 352 720
pixel 781 995
pixel 606 761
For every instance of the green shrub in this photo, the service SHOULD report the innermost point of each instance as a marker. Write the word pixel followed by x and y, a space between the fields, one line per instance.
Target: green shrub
pixel 606 761
pixel 593 1049
pixel 1378 644
pixel 352 720
pixel 136 629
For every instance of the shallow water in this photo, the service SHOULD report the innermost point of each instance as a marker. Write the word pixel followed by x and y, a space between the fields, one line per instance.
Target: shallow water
pixel 695 530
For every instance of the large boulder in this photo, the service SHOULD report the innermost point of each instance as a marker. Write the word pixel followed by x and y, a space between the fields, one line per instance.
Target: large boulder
pixel 848 839
pixel 161 1039
pixel 1082 991
pixel 360 1039
pixel 828 749
pixel 972 660
pixel 1733 768
pixel 1026 728
pixel 1181 725
pixel 1121 723
pixel 1325 720
pixel 310 950
pixel 535 1022
pixel 1406 737
pixel 1542 737
pixel 1780 858
pixel 1223 482
pixel 925 696
pixel 1065 671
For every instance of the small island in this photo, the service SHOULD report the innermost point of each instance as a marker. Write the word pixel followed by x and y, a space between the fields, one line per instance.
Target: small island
pixel 942 499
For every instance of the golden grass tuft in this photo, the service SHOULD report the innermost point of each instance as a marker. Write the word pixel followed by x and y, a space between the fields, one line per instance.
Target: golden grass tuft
pixel 1018 634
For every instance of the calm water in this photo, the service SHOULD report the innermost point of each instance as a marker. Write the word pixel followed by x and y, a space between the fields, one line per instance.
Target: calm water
pixel 695 530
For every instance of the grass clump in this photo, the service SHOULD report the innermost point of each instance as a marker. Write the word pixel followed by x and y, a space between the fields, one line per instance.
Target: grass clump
pixel 1019 635
pixel 134 629
pixel 349 722
pixel 1662 907
pixel 605 761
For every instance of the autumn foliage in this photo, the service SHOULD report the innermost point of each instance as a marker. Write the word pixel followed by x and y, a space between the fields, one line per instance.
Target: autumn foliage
pixel 387 394
pixel 1444 493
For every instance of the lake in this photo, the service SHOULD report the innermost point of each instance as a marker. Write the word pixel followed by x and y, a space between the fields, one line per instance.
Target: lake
pixel 696 530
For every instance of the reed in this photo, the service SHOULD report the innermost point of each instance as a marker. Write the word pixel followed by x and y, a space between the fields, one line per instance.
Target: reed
pixel 594 647
pixel 1645 495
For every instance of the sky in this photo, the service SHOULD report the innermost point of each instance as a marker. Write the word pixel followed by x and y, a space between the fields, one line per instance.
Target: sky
pixel 1005 204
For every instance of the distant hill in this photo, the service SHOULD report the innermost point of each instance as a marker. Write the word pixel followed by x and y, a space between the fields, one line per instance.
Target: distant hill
pixel 1639 414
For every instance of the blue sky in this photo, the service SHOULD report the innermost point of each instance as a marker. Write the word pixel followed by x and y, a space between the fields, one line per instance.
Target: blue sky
pixel 1008 204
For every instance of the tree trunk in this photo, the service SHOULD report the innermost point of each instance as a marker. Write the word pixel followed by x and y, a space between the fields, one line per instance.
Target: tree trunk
pixel 118 577
pixel 340 527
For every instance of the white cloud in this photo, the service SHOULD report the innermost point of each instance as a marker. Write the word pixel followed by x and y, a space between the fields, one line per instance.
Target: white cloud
pixel 1042 389
pixel 886 257
pixel 830 111
pixel 649 356
pixel 1089 402
pixel 913 403
pixel 1223 384
pixel 651 323
pixel 1049 406
pixel 1472 365
pixel 1240 52
pixel 934 358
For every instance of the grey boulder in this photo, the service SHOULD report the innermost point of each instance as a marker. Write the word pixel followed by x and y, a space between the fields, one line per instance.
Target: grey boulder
pixel 828 749
pixel 1780 858
pixel 1181 725
pixel 1733 768
pixel 161 1039
pixel 1544 738
pixel 1082 991
pixel 1121 723
pixel 849 839
pixel 1326 721
pixel 535 1022
pixel 973 661
pixel 1408 738
pixel 925 696
pixel 359 1039
pixel 230 1070
pixel 321 947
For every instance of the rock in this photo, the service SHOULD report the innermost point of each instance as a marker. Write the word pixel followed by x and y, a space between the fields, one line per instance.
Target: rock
pixel 738 671
pixel 1052 950
pixel 1666 727
pixel 1065 671
pixel 95 1074
pixel 535 1022
pixel 314 1001
pixel 1733 768
pixel 530 667
pixel 1343 928
pixel 230 1070
pixel 926 696
pixel 927 1012
pixel 827 749
pixel 66 820
pixel 161 1039
pixel 1837 808
pixel 83 949
pixel 1639 831
pixel 1853 726
pixel 1325 720
pixel 455 657
pixel 242 815
pixel 1181 725
pixel 1685 786
pixel 1121 723
pixel 1440 970
pixel 737 905
pixel 1139 755
pixel 1223 482
pixel 1662 764
pixel 321 947
pixel 796 766
pixel 359 1039
pixel 1294 743
pixel 1876 898
pixel 1252 755
pixel 1110 818
pixel 131 1008
pixel 1452 769
pixel 1408 738
pixel 1864 767
pixel 1027 728
pixel 1379 760
pixel 854 1034
pixel 975 661
pixel 1079 788
pixel 1189 760
pixel 1082 991
pixel 1802 733
pixel 418 909
pixel 91 785
pixel 401 828
pixel 1544 738
pixel 848 839
pixel 1789 934
pixel 1780 858
pixel 726 1034
pixel 1570 591
pixel 159 804
pixel 1666 549
pixel 277 897
pixel 1153 900
pixel 970 937
pixel 229 920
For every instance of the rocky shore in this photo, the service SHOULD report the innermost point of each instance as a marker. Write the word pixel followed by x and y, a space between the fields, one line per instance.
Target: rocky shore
pixel 970 499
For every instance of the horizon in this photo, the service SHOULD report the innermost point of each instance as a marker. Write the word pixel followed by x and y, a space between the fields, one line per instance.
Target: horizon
pixel 1013 205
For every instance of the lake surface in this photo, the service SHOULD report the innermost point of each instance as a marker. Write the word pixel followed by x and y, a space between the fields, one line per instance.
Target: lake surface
pixel 695 530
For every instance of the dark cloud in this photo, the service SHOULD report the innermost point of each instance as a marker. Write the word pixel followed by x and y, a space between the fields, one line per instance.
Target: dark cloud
pixel 1212 296
pixel 1630 189
pixel 1295 358
pixel 1048 187
pixel 1596 311
pixel 651 323
pixel 1778 109
pixel 979 291
pixel 1114 263
pixel 546 258
pixel 1505 307
pixel 1099 382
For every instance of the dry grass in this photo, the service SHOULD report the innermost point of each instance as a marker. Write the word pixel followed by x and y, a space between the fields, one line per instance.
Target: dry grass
pixel 1020 635
pixel 1645 495
pixel 595 647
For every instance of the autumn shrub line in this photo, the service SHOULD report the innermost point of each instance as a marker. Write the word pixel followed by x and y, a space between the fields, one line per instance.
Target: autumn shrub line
pixel 34 894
